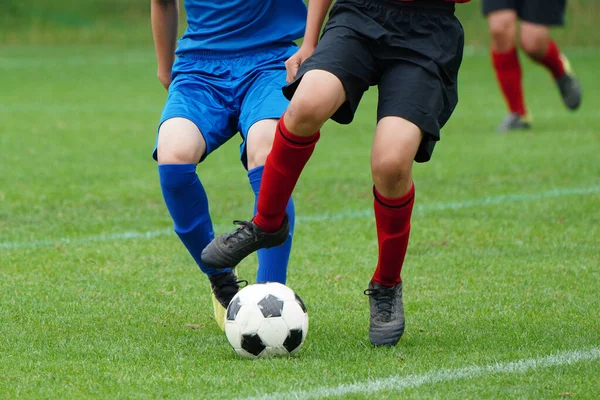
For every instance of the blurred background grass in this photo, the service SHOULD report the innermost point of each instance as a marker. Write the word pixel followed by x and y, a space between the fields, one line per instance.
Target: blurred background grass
pixel 47 22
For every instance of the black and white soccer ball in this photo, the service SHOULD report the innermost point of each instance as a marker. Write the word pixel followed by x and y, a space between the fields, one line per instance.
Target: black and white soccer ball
pixel 266 319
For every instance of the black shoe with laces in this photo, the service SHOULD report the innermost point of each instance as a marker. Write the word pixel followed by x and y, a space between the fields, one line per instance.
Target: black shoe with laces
pixel 568 84
pixel 225 286
pixel 570 91
pixel 387 314
pixel 227 250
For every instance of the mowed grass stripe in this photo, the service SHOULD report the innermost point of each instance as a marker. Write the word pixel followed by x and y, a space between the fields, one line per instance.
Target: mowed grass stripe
pixel 398 383
pixel 326 217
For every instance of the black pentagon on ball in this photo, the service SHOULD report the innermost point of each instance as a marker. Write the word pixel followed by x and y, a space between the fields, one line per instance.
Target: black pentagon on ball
pixel 293 340
pixel 271 306
pixel 253 344
pixel 233 309
pixel 299 300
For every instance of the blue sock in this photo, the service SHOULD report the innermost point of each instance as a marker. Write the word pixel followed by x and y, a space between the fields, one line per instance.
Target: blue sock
pixel 273 262
pixel 188 205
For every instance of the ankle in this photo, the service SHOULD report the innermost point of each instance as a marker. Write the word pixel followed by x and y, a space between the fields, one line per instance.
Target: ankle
pixel 269 223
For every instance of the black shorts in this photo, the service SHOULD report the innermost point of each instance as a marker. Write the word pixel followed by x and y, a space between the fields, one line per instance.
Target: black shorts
pixel 543 12
pixel 411 51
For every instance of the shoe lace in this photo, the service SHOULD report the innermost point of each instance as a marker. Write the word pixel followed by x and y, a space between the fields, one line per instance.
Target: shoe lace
pixel 226 280
pixel 384 301
pixel 225 288
pixel 241 234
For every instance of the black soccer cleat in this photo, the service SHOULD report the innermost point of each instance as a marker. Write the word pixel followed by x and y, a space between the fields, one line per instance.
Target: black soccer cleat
pixel 569 87
pixel 514 121
pixel 227 250
pixel 570 91
pixel 387 314
pixel 225 286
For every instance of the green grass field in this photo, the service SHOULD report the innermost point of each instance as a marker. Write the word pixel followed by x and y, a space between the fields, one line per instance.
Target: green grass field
pixel 98 299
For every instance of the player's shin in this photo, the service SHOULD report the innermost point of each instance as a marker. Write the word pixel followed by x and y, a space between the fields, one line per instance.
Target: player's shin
pixel 283 167
pixel 509 76
pixel 187 203
pixel 392 218
pixel 272 262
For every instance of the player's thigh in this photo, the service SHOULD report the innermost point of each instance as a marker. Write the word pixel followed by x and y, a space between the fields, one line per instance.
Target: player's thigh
pixel 534 38
pixel 333 80
pixel 395 145
pixel 261 108
pixel 195 121
pixel 503 29
pixel 318 96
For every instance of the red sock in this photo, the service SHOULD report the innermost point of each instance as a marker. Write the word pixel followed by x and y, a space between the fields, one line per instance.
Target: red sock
pixel 508 73
pixel 283 167
pixel 392 217
pixel 552 61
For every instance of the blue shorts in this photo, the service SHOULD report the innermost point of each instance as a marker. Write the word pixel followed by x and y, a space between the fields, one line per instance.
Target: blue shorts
pixel 227 93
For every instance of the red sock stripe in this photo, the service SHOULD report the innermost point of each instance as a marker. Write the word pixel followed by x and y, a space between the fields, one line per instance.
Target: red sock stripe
pixel 283 167
pixel 395 202
pixel 293 138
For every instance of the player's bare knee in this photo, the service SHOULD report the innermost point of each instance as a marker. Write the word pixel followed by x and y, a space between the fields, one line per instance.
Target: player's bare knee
pixel 176 155
pixel 534 41
pixel 502 30
pixel 259 142
pixel 319 94
pixel 391 174
pixel 305 116
pixel 180 142
pixel 257 156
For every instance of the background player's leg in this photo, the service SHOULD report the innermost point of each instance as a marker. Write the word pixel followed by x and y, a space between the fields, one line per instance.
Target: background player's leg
pixel 273 262
pixel 536 42
pixel 394 148
pixel 502 24
pixel 318 96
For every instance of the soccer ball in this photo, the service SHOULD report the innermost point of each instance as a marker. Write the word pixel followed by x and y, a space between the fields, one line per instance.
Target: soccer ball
pixel 266 319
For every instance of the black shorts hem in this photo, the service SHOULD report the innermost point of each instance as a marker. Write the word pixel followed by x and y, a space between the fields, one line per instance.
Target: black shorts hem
pixel 550 14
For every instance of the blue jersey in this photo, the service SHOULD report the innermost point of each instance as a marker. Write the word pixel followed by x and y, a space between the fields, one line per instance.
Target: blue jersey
pixel 240 25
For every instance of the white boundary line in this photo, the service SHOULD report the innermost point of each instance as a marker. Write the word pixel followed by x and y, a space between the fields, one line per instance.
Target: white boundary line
pixel 327 217
pixel 398 383
pixel 99 58
pixel 104 108
pixel 106 56
pixel 83 108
